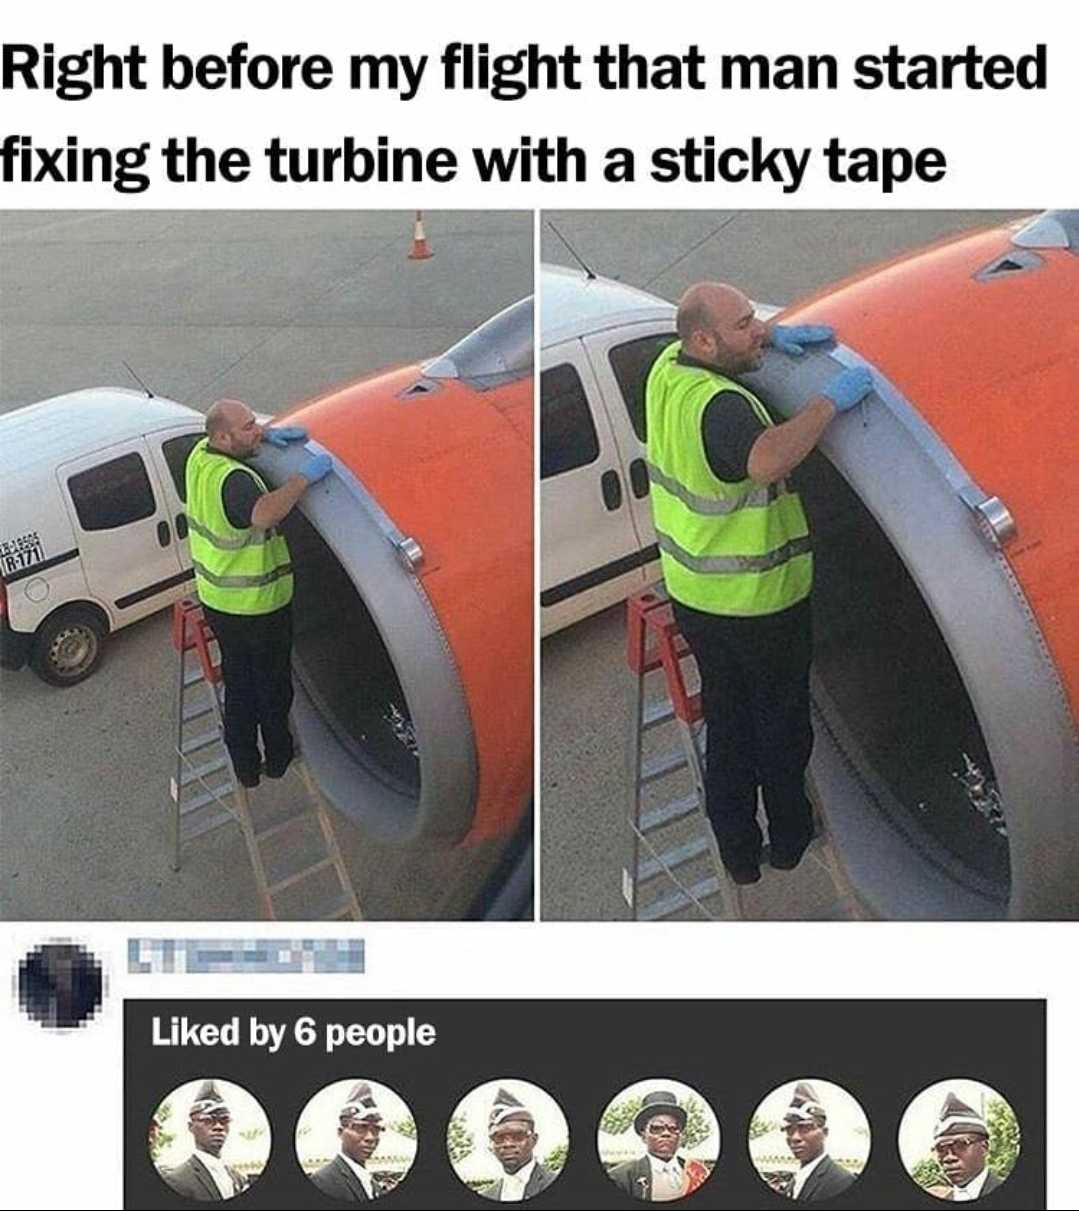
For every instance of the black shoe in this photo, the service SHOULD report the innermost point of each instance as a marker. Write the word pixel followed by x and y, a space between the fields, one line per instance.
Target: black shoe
pixel 277 769
pixel 781 860
pixel 248 778
pixel 744 875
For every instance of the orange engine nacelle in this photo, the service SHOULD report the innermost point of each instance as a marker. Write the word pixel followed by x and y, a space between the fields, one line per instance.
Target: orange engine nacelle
pixel 946 597
pixel 413 605
pixel 990 354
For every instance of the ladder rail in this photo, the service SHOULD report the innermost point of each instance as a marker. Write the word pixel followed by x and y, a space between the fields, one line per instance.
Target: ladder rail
pixel 330 837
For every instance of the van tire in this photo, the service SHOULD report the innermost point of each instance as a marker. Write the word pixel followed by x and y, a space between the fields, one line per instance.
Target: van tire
pixel 68 646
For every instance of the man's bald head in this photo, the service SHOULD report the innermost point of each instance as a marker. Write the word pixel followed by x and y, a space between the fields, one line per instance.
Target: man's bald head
pixel 717 325
pixel 233 428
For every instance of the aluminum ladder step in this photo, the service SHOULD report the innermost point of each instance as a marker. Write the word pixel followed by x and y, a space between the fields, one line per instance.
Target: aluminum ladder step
pixel 202 741
pixel 661 766
pixel 298 876
pixel 677 899
pixel 285 826
pixel 199 773
pixel 672 859
pixel 669 813
pixel 655 713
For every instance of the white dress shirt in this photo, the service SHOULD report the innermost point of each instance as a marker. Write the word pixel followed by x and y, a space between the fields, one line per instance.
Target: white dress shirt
pixel 513 1184
pixel 802 1176
pixel 971 1191
pixel 218 1170
pixel 668 1179
pixel 362 1174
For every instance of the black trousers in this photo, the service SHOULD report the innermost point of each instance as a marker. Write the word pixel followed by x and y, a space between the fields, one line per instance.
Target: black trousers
pixel 256 664
pixel 755 700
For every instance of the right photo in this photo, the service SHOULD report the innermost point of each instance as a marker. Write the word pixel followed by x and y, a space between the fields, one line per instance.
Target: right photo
pixel 808 599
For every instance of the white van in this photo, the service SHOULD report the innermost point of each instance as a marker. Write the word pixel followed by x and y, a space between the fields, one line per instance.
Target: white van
pixel 599 339
pixel 92 523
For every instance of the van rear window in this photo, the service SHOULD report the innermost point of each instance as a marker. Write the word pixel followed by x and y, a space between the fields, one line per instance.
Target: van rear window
pixel 631 363
pixel 567 435
pixel 176 451
pixel 113 494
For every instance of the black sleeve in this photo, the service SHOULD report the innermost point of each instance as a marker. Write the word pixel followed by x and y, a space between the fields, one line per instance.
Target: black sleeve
pixel 729 427
pixel 238 497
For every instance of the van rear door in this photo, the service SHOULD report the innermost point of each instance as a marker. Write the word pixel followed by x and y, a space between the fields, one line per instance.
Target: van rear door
pixel 169 449
pixel 621 360
pixel 124 529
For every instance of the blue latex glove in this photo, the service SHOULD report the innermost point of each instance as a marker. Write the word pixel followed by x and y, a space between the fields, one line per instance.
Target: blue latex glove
pixel 283 434
pixel 316 467
pixel 849 388
pixel 792 338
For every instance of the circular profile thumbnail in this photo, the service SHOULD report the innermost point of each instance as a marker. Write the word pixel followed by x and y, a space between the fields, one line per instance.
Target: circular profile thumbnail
pixel 508 1140
pixel 61 985
pixel 209 1140
pixel 809 1140
pixel 658 1140
pixel 356 1140
pixel 959 1140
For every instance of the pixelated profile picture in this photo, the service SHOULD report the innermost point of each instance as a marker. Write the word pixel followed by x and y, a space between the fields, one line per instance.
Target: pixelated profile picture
pixel 809 1140
pixel 658 1140
pixel 61 985
pixel 356 1140
pixel 508 1140
pixel 209 1140
pixel 959 1140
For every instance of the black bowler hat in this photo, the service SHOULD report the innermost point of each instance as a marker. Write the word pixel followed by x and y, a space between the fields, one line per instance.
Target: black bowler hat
pixel 659 1101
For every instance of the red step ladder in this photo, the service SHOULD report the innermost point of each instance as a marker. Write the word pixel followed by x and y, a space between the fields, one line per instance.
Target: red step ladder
pixel 676 867
pixel 206 794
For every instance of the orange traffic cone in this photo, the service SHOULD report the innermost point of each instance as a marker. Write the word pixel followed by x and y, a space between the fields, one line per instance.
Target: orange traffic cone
pixel 420 250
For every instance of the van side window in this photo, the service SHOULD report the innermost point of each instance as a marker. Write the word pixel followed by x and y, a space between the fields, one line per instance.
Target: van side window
pixel 113 494
pixel 567 435
pixel 176 450
pixel 631 363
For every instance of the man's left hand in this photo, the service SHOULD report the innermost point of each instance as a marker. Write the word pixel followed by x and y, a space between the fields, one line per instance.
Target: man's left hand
pixel 283 434
pixel 793 338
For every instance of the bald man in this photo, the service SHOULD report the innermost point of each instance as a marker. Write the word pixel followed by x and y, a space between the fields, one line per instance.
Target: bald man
pixel 735 553
pixel 243 575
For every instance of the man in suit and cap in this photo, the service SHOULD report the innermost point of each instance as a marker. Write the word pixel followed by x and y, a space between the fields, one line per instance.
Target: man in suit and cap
pixel 805 1125
pixel 360 1130
pixel 961 1146
pixel 204 1175
pixel 661 1175
pixel 512 1138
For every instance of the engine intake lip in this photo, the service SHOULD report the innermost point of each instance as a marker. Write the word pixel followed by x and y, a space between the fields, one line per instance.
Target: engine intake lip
pixel 366 543
pixel 917 492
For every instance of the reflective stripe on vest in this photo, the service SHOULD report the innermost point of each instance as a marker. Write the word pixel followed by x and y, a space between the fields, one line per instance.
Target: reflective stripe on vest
pixel 249 538
pixel 237 571
pixel 725 548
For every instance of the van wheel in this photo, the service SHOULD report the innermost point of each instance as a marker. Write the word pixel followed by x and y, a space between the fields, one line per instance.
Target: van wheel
pixel 68 647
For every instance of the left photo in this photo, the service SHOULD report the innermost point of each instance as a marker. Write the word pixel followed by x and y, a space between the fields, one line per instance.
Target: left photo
pixel 266 552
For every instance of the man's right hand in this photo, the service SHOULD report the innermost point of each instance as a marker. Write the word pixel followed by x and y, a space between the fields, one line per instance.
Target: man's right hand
pixel 849 388
pixel 316 467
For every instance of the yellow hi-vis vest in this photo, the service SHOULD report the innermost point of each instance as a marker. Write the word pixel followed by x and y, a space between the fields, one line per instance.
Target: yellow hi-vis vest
pixel 725 548
pixel 236 571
